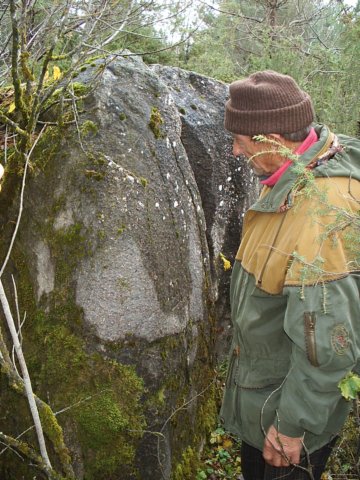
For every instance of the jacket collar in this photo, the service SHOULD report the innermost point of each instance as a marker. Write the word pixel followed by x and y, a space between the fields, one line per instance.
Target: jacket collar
pixel 274 199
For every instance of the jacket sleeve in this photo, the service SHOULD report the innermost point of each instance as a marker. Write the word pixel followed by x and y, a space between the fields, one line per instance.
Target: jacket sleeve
pixel 323 324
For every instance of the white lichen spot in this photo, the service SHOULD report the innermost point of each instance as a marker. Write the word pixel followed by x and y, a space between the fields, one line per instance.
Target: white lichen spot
pixel 228 179
pixel 141 204
pixel 157 205
pixel 168 175
pixel 168 144
pixel 221 203
pixel 164 217
pixel 198 208
pixel 187 182
pixel 130 178
pixel 182 212
pixel 129 150
pixel 220 188
pixel 176 203
pixel 174 144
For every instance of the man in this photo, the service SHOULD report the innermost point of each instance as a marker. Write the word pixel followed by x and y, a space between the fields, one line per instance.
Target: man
pixel 294 289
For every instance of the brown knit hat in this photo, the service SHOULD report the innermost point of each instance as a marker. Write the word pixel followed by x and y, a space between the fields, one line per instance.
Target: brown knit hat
pixel 267 102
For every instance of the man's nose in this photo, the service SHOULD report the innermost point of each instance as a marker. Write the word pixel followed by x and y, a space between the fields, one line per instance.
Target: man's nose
pixel 237 149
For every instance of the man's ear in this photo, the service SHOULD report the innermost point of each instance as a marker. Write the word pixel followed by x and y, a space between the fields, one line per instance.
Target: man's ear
pixel 275 136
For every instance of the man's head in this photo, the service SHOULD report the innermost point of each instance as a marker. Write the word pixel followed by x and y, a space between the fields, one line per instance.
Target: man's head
pixel 267 103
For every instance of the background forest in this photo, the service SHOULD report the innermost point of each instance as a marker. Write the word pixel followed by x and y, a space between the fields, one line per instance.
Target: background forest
pixel 317 42
pixel 43 48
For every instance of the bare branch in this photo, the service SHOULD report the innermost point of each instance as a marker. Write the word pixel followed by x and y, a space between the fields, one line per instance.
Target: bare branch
pixel 21 203
pixel 26 377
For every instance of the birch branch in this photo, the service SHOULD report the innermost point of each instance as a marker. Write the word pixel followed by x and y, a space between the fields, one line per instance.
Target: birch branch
pixel 26 376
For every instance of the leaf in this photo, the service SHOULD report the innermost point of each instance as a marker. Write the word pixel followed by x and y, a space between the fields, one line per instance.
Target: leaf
pixel 56 73
pixel 227 443
pixel 350 386
pixel 11 107
pixel 226 262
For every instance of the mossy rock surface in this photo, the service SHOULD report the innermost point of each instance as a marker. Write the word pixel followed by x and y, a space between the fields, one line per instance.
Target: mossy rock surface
pixel 113 270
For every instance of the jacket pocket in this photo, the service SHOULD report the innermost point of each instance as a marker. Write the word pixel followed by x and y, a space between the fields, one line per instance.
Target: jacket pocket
pixel 254 373
pixel 310 338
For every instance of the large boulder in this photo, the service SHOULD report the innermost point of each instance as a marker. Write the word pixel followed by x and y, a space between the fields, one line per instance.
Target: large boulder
pixel 226 184
pixel 113 269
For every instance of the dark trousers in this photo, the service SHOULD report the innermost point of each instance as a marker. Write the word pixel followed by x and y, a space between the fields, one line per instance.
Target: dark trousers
pixel 253 465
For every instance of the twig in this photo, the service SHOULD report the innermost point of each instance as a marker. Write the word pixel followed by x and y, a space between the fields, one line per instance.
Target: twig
pixel 283 453
pixel 182 407
pixel 31 454
pixel 21 202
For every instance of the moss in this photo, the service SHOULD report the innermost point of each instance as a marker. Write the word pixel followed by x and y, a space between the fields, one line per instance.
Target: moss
pixel 88 128
pixel 46 148
pixel 155 123
pixel 54 432
pixel 96 166
pixel 182 110
pixel 121 230
pixel 104 396
pixel 122 283
pixel 80 89
pixel 122 116
pixel 185 470
pixel 193 106
pixel 101 234
pixel 144 182
pixel 94 175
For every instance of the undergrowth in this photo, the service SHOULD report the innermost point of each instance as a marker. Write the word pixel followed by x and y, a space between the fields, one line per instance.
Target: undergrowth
pixel 221 455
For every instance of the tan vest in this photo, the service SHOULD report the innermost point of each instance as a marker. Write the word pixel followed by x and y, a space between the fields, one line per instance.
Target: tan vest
pixel 307 244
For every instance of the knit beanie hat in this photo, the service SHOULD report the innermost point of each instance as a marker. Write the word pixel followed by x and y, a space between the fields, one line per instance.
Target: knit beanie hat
pixel 267 102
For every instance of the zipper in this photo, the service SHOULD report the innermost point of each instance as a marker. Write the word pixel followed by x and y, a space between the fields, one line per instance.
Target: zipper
pixel 310 339
pixel 232 368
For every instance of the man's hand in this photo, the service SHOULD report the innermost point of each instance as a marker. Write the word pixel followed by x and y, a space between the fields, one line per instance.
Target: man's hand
pixel 280 450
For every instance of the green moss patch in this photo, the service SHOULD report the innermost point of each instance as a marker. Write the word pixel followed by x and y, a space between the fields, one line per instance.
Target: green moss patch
pixel 101 398
pixel 155 122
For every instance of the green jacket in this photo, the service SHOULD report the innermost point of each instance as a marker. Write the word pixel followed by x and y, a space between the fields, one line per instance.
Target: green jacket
pixel 295 301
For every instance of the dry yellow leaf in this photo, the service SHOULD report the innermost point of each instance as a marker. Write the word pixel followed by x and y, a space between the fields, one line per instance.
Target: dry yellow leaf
pixel 56 73
pixel 226 263
pixel 11 107
pixel 227 443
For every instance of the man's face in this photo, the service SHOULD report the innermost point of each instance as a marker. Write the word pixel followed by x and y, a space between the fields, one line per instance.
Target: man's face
pixel 262 163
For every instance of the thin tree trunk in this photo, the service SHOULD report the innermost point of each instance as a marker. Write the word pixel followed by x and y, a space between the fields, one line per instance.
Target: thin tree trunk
pixel 25 375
